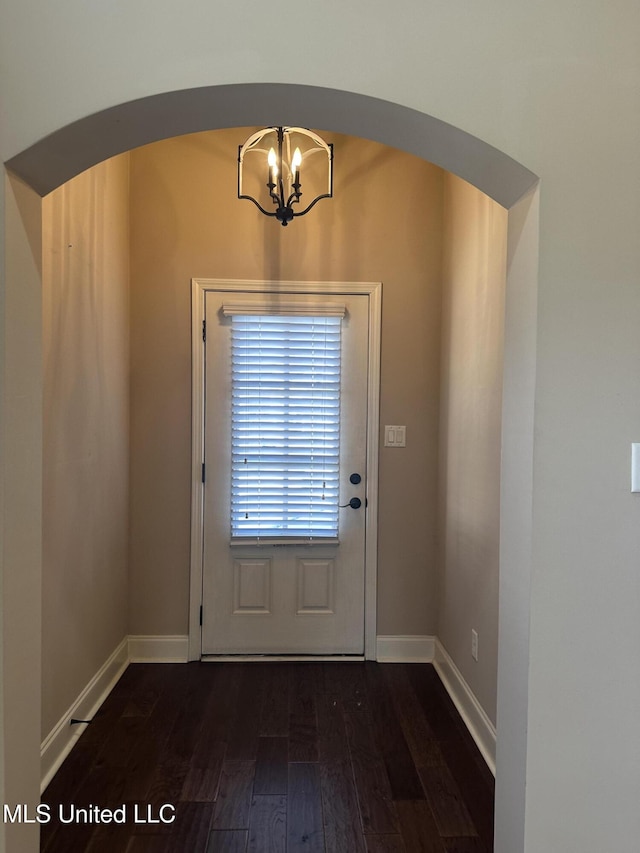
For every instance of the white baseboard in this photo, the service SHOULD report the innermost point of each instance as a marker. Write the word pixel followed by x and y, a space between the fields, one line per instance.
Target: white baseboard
pixel 59 742
pixel 405 649
pixel 175 649
pixel 161 649
pixel 480 726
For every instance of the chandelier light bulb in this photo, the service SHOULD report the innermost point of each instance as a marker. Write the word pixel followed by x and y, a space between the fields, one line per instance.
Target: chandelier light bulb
pixel 272 160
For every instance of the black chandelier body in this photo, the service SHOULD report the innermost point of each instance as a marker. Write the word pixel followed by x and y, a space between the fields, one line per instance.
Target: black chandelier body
pixel 283 168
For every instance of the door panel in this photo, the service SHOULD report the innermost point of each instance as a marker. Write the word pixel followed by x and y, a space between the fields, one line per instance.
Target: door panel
pixel 274 597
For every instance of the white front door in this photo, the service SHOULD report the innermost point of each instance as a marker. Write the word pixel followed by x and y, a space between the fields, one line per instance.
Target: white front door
pixel 283 548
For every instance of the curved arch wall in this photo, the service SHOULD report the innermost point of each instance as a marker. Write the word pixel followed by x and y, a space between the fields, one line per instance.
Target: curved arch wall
pixel 64 153
pixel 552 91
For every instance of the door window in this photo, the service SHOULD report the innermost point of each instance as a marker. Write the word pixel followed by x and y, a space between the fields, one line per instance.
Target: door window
pixel 285 427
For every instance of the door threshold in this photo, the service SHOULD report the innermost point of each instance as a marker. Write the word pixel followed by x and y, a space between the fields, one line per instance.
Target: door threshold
pixel 243 658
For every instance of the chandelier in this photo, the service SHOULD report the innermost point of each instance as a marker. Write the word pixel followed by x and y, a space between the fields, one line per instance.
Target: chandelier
pixel 279 154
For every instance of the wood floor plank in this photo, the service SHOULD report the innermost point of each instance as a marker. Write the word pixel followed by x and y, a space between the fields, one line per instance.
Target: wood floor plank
pixel 190 830
pixel 176 722
pixel 228 841
pixel 205 763
pixel 202 779
pixel 189 720
pixel 123 736
pixel 210 749
pixel 268 825
pixel 115 839
pixel 274 715
pixel 403 778
pixel 142 818
pixel 385 844
pixel 144 844
pixel 434 700
pixel 221 707
pixel 141 767
pixel 347 681
pixel 141 705
pixel 476 792
pixel 466 845
pixel 243 734
pixel 421 740
pixel 74 838
pixel 272 766
pixel 419 828
pixel 167 783
pixel 373 790
pixel 342 824
pixel 234 795
pixel 332 735
pixel 305 831
pixel 164 714
pixel 145 693
pixel 303 723
pixel 451 814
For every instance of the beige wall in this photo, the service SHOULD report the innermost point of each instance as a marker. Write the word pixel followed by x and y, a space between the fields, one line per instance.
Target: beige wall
pixel 86 427
pixel 474 260
pixel 384 224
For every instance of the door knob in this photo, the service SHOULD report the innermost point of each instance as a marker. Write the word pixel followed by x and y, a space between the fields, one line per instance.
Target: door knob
pixel 354 503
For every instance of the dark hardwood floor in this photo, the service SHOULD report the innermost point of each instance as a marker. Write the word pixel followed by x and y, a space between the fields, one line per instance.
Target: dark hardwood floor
pixel 316 757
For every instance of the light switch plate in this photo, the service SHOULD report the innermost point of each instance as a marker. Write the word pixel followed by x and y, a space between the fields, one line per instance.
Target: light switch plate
pixel 395 436
pixel 635 467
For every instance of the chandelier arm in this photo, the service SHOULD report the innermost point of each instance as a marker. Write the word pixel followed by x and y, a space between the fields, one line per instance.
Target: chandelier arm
pixel 294 198
pixel 259 206
pixel 274 196
pixel 313 203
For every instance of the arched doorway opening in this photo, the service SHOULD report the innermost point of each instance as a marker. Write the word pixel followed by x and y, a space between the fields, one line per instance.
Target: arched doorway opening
pixel 69 151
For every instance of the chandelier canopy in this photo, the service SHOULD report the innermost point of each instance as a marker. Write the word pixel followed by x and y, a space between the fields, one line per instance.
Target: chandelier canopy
pixel 279 154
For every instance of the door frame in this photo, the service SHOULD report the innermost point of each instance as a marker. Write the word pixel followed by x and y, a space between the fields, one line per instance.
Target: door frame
pixel 199 289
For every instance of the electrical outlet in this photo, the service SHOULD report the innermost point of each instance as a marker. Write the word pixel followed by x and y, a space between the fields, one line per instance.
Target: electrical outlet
pixel 474 644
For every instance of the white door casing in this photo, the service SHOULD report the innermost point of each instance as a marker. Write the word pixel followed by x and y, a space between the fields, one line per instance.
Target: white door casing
pixel 298 599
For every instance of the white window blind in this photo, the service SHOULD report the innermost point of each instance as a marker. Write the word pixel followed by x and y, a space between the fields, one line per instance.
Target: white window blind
pixel 285 426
